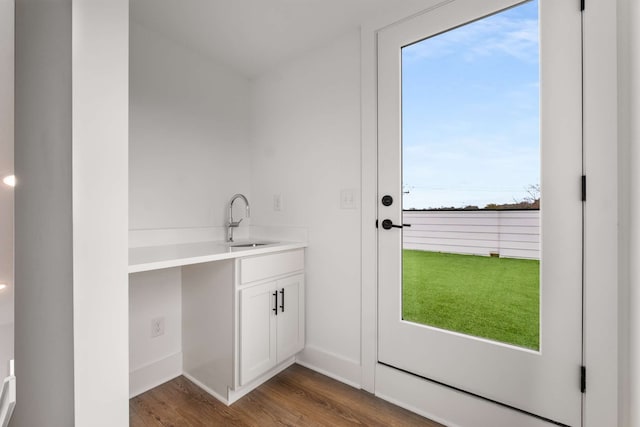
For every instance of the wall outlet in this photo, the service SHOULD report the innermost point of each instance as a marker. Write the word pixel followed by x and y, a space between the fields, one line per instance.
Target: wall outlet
pixel 277 202
pixel 157 327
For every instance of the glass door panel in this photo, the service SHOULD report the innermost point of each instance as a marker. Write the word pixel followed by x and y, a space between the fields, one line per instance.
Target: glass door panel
pixel 479 111
pixel 471 178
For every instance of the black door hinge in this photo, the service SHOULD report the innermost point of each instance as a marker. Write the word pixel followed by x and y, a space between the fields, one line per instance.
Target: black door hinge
pixel 584 188
pixel 376 223
pixel 583 379
pixel 582 5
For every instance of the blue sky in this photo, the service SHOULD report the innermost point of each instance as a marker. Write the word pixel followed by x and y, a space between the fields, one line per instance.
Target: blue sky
pixel 471 113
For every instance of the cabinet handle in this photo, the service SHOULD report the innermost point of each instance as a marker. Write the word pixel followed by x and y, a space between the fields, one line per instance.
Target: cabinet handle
pixel 275 302
pixel 282 300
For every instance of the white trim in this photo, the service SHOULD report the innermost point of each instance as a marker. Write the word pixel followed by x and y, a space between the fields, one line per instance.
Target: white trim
pixel 332 365
pixel 629 56
pixel 8 396
pixel 152 375
pixel 369 189
pixel 602 285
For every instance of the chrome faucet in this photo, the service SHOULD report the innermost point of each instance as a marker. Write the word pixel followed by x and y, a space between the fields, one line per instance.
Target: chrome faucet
pixel 233 224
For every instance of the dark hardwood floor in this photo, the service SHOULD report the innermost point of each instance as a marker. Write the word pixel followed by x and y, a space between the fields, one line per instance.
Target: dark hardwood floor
pixel 296 397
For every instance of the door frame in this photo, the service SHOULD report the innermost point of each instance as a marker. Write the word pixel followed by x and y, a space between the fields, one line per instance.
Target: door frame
pixel 602 329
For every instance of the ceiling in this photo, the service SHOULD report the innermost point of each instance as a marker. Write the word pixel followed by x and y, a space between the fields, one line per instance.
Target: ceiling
pixel 252 36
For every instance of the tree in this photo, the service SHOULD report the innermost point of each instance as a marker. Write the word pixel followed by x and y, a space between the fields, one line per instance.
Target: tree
pixel 533 194
pixel 531 201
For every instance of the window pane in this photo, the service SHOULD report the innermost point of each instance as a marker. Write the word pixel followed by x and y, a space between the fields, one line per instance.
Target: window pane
pixel 471 173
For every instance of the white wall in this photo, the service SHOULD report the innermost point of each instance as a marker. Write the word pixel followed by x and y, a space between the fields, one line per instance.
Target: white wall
pixel 152 360
pixel 305 137
pixel 6 193
pixel 189 136
pixel 100 113
pixel 189 153
pixel 43 222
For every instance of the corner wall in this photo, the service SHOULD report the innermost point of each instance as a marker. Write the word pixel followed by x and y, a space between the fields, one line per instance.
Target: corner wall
pixel 43 225
pixel 71 106
pixel 305 147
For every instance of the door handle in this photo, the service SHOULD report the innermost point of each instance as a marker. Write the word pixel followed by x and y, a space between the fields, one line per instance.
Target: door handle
pixel 275 302
pixel 282 301
pixel 387 224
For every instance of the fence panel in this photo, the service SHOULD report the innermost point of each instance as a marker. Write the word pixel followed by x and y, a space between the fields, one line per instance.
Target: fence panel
pixel 509 234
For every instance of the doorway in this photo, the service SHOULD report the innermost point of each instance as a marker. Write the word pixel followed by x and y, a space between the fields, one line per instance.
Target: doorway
pixel 449 94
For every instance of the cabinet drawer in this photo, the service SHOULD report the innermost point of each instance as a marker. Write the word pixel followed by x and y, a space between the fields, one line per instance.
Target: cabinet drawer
pixel 263 267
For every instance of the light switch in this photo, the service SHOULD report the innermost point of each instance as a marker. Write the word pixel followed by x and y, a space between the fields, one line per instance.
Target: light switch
pixel 347 199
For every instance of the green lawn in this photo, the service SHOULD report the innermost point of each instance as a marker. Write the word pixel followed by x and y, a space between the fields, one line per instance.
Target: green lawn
pixel 494 298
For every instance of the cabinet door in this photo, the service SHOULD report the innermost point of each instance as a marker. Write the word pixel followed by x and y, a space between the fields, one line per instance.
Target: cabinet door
pixel 290 317
pixel 257 331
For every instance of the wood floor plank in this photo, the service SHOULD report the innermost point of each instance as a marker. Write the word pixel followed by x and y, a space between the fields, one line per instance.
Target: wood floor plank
pixel 296 397
pixel 307 400
pixel 374 409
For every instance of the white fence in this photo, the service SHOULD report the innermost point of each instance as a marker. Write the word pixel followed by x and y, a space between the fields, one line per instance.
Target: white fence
pixel 510 234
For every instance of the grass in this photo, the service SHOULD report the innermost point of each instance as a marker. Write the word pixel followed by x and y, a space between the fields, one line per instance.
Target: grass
pixel 494 298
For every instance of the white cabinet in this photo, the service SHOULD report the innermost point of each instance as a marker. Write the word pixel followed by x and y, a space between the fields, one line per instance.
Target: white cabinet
pixel 257 331
pixel 271 325
pixel 290 319
pixel 243 320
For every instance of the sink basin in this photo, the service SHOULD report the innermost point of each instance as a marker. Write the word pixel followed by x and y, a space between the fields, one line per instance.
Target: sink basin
pixel 248 245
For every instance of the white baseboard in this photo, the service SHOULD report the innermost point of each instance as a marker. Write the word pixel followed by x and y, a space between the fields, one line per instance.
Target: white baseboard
pixel 156 373
pixel 332 365
pixel 445 405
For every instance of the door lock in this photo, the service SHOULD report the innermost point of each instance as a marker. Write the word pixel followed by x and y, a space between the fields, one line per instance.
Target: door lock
pixel 387 224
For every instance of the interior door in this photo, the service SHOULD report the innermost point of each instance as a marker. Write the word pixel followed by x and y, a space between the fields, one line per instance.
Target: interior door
pixel 541 376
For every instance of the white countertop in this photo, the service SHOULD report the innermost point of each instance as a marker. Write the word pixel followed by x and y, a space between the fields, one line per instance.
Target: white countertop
pixel 157 257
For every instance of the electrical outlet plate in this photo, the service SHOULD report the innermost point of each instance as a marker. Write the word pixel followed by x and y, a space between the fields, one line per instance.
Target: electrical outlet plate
pixel 157 327
pixel 277 202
